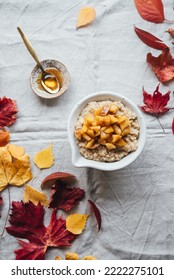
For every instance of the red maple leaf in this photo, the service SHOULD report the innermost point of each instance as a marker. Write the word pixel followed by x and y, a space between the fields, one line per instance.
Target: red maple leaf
pixel 1 202
pixel 156 103
pixel 65 197
pixel 8 111
pixel 163 65
pixel 26 222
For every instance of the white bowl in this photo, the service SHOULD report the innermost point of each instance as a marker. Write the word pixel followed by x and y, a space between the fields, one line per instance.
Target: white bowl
pixel 77 159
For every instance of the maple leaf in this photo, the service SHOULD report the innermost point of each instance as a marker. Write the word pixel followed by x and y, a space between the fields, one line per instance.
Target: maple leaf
pixel 150 10
pixel 156 103
pixel 150 40
pixel 163 65
pixel 4 138
pixel 15 173
pixel 26 222
pixel 8 111
pixel 65 197
pixel 1 202
pixel 85 16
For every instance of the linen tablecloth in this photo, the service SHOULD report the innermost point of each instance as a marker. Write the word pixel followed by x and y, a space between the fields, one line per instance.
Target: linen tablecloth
pixel 137 202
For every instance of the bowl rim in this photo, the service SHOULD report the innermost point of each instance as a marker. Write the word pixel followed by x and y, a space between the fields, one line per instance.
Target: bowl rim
pixel 77 159
pixel 59 93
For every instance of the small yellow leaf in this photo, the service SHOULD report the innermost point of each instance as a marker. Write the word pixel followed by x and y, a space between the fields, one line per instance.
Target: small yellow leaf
pixel 44 158
pixel 58 258
pixel 90 257
pixel 76 223
pixel 72 256
pixel 86 16
pixel 31 194
pixel 16 151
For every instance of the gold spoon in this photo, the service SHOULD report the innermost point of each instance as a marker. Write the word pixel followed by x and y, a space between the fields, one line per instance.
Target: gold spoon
pixel 48 80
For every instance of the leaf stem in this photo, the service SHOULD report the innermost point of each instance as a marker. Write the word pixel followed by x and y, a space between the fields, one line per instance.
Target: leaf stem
pixel 6 219
pixel 160 124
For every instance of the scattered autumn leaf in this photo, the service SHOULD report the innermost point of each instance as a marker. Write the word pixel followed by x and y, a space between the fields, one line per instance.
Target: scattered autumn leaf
pixel 85 16
pixel 156 103
pixel 171 31
pixel 150 40
pixel 4 138
pixel 96 213
pixel 8 111
pixel 150 10
pixel 72 256
pixel 31 194
pixel 1 202
pixel 44 158
pixel 163 65
pixel 15 173
pixel 16 151
pixel 65 197
pixel 173 126
pixel 89 258
pixel 75 223
pixel 50 180
pixel 26 222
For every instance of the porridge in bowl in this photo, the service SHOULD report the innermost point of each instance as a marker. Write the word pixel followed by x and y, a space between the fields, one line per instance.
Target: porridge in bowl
pixel 106 131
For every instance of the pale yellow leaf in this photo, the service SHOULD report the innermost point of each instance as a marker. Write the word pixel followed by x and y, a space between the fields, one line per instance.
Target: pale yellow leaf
pixel 44 158
pixel 71 256
pixel 31 194
pixel 16 151
pixel 58 258
pixel 76 223
pixel 89 257
pixel 85 16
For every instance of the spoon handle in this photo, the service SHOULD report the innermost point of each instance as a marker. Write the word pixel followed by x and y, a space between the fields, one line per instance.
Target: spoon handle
pixel 30 49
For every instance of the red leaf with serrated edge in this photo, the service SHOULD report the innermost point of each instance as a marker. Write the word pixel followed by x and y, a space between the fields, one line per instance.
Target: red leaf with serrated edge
pixel 26 222
pixel 96 213
pixel 173 126
pixel 8 111
pixel 49 181
pixel 156 103
pixel 163 65
pixel 150 40
pixel 65 197
pixel 1 202
pixel 150 10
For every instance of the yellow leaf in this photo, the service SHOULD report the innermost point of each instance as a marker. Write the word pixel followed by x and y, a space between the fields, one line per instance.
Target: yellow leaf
pixel 15 173
pixel 89 257
pixel 86 16
pixel 72 256
pixel 76 223
pixel 58 258
pixel 31 194
pixel 44 158
pixel 16 151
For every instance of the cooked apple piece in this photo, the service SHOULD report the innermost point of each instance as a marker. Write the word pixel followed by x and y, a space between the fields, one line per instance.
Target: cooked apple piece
pixel 121 143
pixel 110 146
pixel 113 109
pixel 102 142
pixel 94 123
pixel 97 133
pixel 126 131
pixel 97 111
pixel 103 135
pixel 94 146
pixel 106 120
pixel 84 129
pixel 124 124
pixel 105 110
pixel 117 129
pixel 113 119
pixel 78 134
pixel 86 137
pixel 115 138
pixel 99 120
pixel 91 133
pixel 109 129
pixel 103 128
pixel 95 128
pixel 121 118
pixel 90 143
pixel 89 119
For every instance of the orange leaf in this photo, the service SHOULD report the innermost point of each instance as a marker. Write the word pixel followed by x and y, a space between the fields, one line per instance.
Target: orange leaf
pixel 4 138
pixel 150 10
pixel 86 16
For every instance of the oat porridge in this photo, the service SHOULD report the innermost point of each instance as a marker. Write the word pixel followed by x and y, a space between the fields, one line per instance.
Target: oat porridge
pixel 106 131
